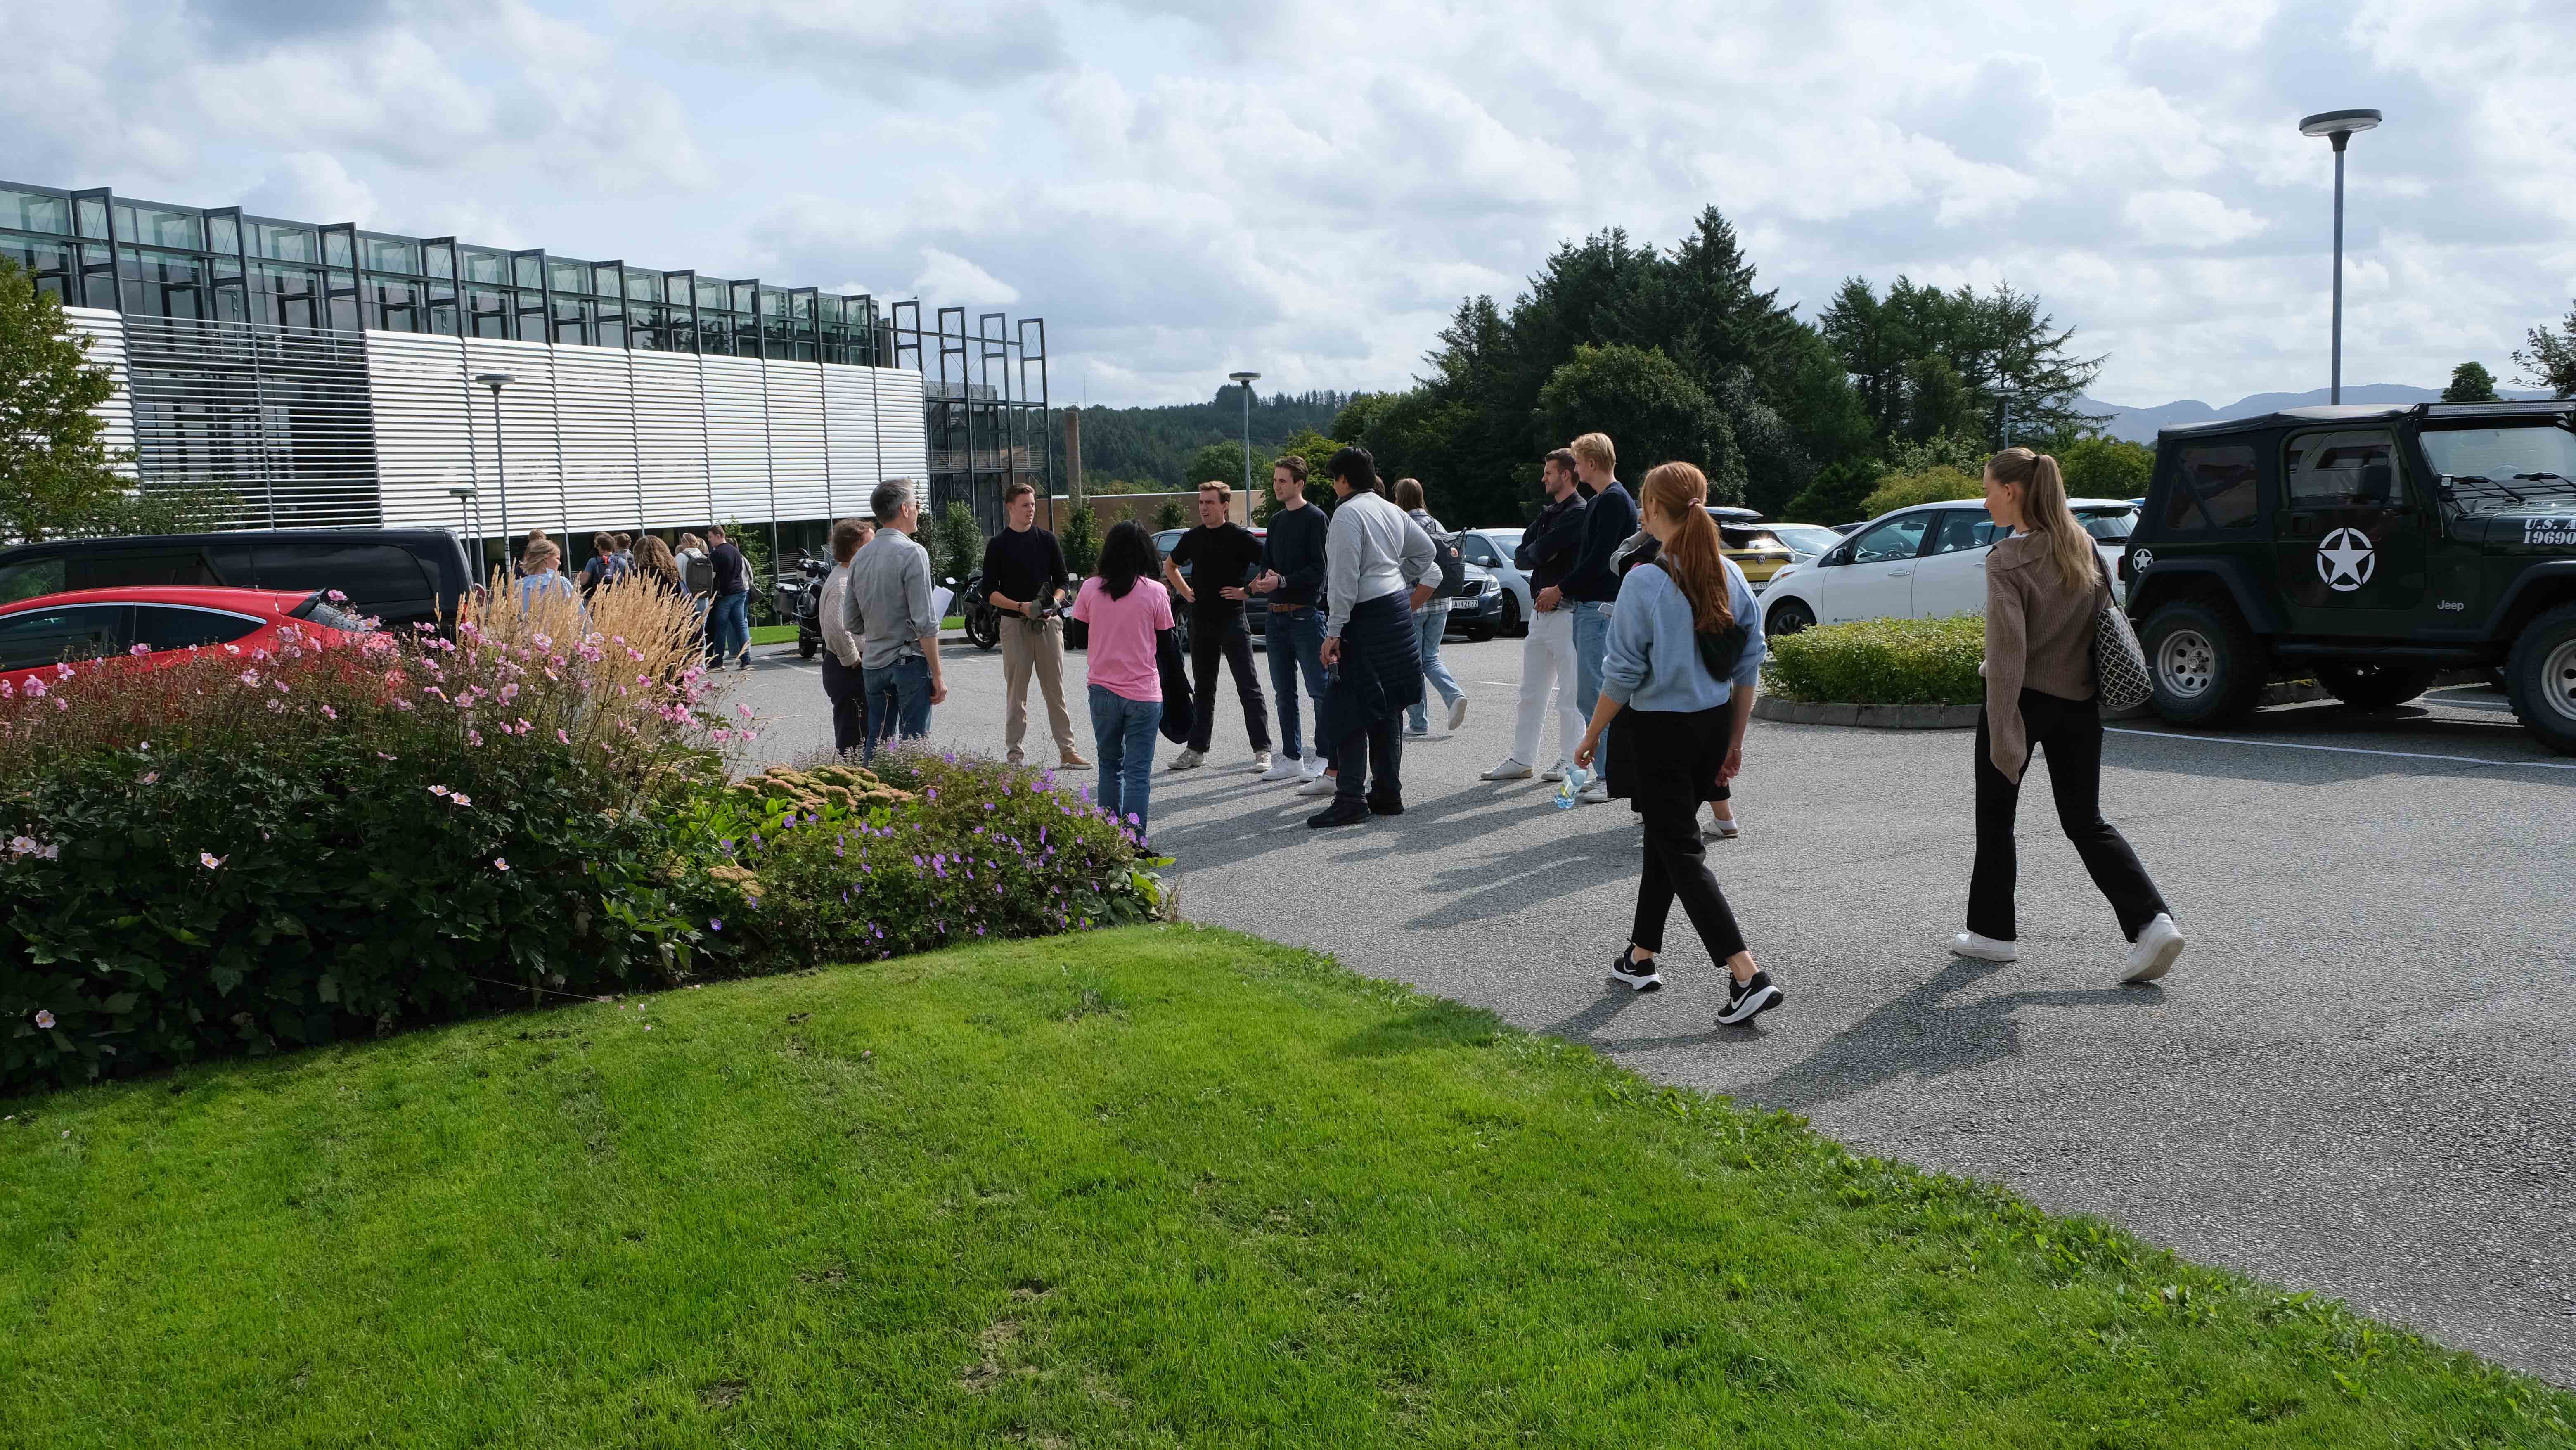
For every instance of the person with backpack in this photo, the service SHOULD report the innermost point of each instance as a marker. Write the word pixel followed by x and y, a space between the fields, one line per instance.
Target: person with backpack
pixel 605 566
pixel 2045 591
pixel 729 605
pixel 1680 666
pixel 1431 621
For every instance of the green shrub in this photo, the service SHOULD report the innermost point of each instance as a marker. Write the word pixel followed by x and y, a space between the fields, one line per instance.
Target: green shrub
pixel 1080 537
pixel 1932 485
pixel 1881 662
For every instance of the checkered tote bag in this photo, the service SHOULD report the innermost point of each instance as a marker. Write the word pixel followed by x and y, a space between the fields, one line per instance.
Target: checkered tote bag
pixel 2121 680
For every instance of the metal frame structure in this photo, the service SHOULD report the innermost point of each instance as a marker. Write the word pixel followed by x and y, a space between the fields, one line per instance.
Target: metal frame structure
pixel 987 406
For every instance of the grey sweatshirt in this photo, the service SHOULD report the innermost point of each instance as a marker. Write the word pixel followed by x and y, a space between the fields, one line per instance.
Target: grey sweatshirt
pixel 889 602
pixel 1372 548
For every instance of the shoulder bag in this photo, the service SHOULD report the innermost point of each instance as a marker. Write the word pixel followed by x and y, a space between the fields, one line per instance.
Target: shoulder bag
pixel 2121 680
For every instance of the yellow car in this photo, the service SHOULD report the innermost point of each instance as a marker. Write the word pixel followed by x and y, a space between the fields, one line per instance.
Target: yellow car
pixel 1750 543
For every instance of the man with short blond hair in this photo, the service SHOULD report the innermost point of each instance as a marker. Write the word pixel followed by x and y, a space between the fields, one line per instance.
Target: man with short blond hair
pixel 1223 557
pixel 1024 577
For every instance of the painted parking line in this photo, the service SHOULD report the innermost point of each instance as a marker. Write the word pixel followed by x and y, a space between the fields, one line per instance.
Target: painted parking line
pixel 2346 750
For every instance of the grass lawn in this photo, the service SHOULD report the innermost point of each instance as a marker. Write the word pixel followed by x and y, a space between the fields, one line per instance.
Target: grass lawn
pixel 1160 1186
pixel 786 633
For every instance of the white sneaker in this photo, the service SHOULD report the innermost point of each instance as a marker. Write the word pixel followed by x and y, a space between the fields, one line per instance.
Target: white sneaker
pixel 1725 830
pixel 1319 785
pixel 1510 769
pixel 1261 763
pixel 2153 953
pixel 1595 794
pixel 1286 767
pixel 1556 771
pixel 1983 948
pixel 1311 767
pixel 1188 760
pixel 1457 713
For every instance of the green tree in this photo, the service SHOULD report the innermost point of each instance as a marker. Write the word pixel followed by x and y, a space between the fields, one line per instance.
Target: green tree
pixel 1170 515
pixel 1650 408
pixel 1080 537
pixel 2547 357
pixel 1223 463
pixel 956 542
pixel 1932 485
pixel 1837 492
pixel 1317 450
pixel 2097 466
pixel 1996 349
pixel 2470 383
pixel 56 474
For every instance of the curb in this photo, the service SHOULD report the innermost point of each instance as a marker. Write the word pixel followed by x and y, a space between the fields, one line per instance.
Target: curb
pixel 1874 717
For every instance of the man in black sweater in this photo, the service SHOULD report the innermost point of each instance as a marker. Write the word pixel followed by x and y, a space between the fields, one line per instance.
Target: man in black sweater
pixel 1292 562
pixel 1591 584
pixel 1222 556
pixel 1547 552
pixel 1024 578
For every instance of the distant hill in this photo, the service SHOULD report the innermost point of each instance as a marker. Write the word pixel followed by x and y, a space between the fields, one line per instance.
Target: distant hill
pixel 1154 445
pixel 2139 425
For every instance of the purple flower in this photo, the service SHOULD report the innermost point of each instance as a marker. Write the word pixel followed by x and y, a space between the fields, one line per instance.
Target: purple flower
pixel 715 924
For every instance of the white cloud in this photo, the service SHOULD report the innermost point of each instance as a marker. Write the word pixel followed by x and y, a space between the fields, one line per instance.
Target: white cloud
pixel 2188 219
pixel 951 278
pixel 313 185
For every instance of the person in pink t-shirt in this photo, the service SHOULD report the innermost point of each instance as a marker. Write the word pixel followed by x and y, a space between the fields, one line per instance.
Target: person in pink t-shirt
pixel 1125 610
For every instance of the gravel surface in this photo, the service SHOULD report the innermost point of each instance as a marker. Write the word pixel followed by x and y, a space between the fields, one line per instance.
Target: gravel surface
pixel 2355 1082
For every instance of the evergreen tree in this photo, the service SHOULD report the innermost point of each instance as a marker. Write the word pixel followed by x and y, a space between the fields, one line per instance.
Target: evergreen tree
pixel 2470 383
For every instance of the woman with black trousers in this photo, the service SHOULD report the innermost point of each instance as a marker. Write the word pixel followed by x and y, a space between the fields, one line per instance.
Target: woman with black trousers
pixel 1684 654
pixel 2045 588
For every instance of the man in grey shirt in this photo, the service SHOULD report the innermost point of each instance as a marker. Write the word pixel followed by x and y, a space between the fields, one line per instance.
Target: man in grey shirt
pixel 889 609
pixel 1379 567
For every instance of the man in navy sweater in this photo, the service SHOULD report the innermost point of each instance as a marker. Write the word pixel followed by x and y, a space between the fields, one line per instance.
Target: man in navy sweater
pixel 1591 585
pixel 1292 563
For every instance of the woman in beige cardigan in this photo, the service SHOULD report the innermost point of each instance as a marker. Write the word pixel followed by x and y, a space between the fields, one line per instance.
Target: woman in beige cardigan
pixel 2045 586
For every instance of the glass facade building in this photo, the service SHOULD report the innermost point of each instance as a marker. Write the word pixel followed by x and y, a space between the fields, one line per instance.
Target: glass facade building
pixel 331 376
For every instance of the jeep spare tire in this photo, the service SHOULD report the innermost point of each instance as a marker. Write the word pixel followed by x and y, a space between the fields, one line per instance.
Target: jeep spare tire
pixel 2207 666
pixel 2540 678
pixel 2370 686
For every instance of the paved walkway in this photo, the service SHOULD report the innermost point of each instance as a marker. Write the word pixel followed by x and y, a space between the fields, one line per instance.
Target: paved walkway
pixel 2356 1082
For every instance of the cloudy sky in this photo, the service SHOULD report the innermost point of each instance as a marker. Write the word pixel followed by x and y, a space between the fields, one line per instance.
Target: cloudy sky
pixel 1181 189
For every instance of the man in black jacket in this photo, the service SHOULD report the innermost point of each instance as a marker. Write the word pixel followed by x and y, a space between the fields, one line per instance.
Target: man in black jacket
pixel 1546 554
pixel 1223 557
pixel 1292 564
pixel 1592 584
pixel 1024 577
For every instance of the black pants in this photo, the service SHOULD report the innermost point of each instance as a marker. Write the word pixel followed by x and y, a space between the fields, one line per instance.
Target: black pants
pixel 849 697
pixel 2070 731
pixel 1210 636
pixel 1378 751
pixel 1677 865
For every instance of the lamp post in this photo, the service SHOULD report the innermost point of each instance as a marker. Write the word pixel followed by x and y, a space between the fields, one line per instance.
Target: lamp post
pixel 1247 380
pixel 471 517
pixel 500 456
pixel 2338 127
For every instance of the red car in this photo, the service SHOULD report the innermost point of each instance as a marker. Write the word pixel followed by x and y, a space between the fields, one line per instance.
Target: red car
pixel 89 624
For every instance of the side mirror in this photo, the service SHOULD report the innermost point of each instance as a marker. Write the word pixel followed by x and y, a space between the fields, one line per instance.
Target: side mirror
pixel 1840 554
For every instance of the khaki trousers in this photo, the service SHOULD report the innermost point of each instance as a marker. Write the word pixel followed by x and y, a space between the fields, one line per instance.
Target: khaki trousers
pixel 1026 650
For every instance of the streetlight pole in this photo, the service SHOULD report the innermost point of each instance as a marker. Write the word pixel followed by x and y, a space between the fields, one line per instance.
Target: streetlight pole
pixel 500 455
pixel 470 516
pixel 2338 127
pixel 1247 380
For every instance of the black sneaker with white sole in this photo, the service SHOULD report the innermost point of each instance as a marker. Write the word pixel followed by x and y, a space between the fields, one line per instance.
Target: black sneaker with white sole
pixel 1749 999
pixel 1636 976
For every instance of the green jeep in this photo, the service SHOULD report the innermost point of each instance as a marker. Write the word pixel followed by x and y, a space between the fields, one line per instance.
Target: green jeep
pixel 2371 546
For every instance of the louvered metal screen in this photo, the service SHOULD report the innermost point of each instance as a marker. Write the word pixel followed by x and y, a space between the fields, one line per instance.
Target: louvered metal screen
pixel 278 419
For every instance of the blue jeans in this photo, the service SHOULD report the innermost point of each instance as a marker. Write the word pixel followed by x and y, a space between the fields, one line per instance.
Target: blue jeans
pixel 1122 740
pixel 1591 655
pixel 898 701
pixel 1430 622
pixel 1296 642
pixel 729 626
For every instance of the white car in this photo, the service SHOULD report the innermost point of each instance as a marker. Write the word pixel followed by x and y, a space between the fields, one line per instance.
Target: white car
pixel 1492 550
pixel 1919 563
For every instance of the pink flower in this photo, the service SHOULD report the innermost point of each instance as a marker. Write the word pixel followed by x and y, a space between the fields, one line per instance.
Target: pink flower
pixel 743 710
pixel 330 714
pixel 500 863
pixel 433 790
pixel 140 649
pixel 460 798
pixel 44 1019
pixel 150 776
pixel 560 735
pixel 209 860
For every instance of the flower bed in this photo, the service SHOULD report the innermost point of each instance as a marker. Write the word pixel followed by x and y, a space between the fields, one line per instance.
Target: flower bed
pixel 238 853
pixel 1881 662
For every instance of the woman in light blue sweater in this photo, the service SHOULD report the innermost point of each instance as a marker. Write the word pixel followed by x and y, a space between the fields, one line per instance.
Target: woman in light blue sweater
pixel 1685 655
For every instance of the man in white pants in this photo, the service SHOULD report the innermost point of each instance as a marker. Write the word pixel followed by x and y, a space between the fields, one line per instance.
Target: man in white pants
pixel 1547 656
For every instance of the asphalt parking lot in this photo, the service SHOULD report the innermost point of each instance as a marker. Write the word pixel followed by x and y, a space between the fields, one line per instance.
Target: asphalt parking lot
pixel 2355 1082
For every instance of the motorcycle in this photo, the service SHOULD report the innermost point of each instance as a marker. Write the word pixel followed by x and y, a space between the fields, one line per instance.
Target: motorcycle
pixel 983 622
pixel 799 599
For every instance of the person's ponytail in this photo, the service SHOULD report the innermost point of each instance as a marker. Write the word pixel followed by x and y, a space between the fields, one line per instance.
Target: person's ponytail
pixel 1695 556
pixel 2044 512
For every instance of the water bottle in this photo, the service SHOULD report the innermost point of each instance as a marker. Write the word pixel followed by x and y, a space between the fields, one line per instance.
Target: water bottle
pixel 1576 777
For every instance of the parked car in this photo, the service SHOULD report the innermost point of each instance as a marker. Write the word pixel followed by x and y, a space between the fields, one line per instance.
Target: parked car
pixel 397 576
pixel 1920 562
pixel 106 624
pixel 1491 550
pixel 1750 543
pixel 1806 541
pixel 2370 546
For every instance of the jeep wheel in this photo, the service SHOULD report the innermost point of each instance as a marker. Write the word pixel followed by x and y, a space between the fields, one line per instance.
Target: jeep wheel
pixel 2540 677
pixel 2207 665
pixel 2373 686
pixel 1788 617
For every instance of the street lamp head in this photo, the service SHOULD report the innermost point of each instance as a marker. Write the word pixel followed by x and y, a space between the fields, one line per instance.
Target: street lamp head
pixel 1245 378
pixel 496 381
pixel 2338 125
pixel 463 493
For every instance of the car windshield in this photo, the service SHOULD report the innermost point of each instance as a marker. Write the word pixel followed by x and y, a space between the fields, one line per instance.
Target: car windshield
pixel 1806 541
pixel 2493 470
pixel 1739 536
pixel 2107 523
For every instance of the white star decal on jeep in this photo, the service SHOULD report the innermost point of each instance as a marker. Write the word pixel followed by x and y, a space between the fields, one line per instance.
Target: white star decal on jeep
pixel 2345 560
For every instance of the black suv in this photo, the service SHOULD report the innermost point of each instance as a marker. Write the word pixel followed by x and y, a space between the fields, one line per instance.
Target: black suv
pixel 2370 546
pixel 398 576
